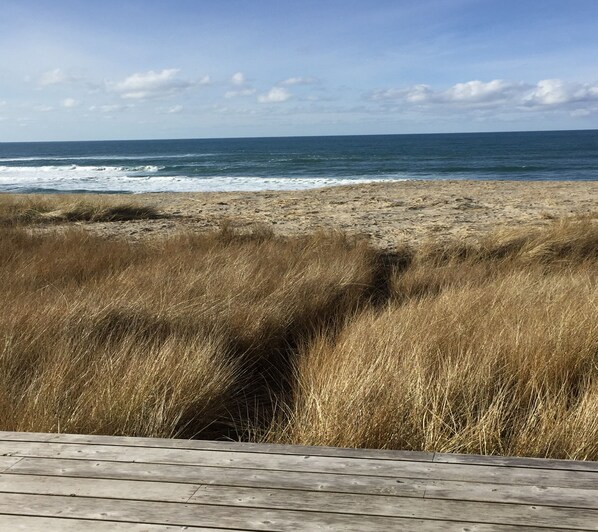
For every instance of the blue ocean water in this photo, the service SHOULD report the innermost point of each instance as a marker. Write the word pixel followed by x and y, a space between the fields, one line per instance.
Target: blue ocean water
pixel 294 162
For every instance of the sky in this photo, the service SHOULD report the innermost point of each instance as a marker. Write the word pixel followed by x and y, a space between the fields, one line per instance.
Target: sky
pixel 141 69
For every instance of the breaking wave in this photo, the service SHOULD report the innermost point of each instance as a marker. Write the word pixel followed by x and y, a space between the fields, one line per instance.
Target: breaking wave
pixel 75 178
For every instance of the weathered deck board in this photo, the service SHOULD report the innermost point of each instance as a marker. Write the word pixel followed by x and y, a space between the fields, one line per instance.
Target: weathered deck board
pixel 202 445
pixel 7 461
pixel 221 516
pixel 467 491
pixel 43 524
pixel 64 482
pixel 306 464
pixel 384 506
pixel 509 461
pixel 221 476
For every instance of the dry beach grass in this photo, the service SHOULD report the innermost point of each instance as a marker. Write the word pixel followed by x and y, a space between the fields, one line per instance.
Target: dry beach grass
pixel 160 339
pixel 486 350
pixel 35 209
pixel 488 345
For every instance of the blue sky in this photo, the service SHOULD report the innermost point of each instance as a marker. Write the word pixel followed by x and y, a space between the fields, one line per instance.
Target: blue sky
pixel 189 68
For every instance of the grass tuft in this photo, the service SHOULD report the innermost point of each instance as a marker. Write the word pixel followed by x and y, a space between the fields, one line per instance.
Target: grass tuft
pixel 29 210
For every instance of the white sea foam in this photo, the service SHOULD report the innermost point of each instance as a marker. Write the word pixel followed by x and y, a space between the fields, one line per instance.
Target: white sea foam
pixel 147 179
pixel 105 157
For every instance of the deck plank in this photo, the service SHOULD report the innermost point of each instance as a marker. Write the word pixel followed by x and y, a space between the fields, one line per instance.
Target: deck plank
pixel 48 524
pixel 244 478
pixel 220 476
pixel 509 514
pixel 443 510
pixel 25 436
pixel 269 448
pixel 97 487
pixel 6 462
pixel 307 463
pixel 206 445
pixel 506 493
pixel 516 461
pixel 163 513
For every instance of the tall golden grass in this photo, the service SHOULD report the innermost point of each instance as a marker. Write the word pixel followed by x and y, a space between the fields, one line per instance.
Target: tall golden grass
pixel 489 347
pixel 175 337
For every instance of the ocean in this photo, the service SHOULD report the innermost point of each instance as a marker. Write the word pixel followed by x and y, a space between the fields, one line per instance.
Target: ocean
pixel 286 163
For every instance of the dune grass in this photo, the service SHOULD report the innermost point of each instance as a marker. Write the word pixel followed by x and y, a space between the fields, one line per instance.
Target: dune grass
pixel 174 337
pixel 488 348
pixel 19 210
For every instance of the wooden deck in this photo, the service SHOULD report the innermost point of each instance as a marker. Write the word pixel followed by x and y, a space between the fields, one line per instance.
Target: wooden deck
pixel 88 483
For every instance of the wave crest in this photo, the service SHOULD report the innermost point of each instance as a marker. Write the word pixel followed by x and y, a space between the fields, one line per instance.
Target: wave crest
pixel 149 179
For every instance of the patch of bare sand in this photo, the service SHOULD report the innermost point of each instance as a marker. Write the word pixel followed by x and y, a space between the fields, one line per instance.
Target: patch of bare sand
pixel 389 213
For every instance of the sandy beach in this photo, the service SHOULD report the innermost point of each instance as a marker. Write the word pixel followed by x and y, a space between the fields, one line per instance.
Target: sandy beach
pixel 389 213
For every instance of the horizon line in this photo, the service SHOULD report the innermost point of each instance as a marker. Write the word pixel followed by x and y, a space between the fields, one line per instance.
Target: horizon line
pixel 299 136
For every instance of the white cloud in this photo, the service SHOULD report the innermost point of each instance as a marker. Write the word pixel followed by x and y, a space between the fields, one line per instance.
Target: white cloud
pixel 239 81
pixel 43 108
pixel 468 93
pixel 231 111
pixel 413 94
pixel 549 92
pixel 154 84
pixel 175 109
pixel 300 81
pixel 419 94
pixel 480 92
pixel 241 92
pixel 69 103
pixel 275 95
pixel 238 78
pixel 557 92
pixel 56 76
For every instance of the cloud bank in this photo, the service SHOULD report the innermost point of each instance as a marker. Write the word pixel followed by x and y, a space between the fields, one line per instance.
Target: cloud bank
pixel 547 93
pixel 558 92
